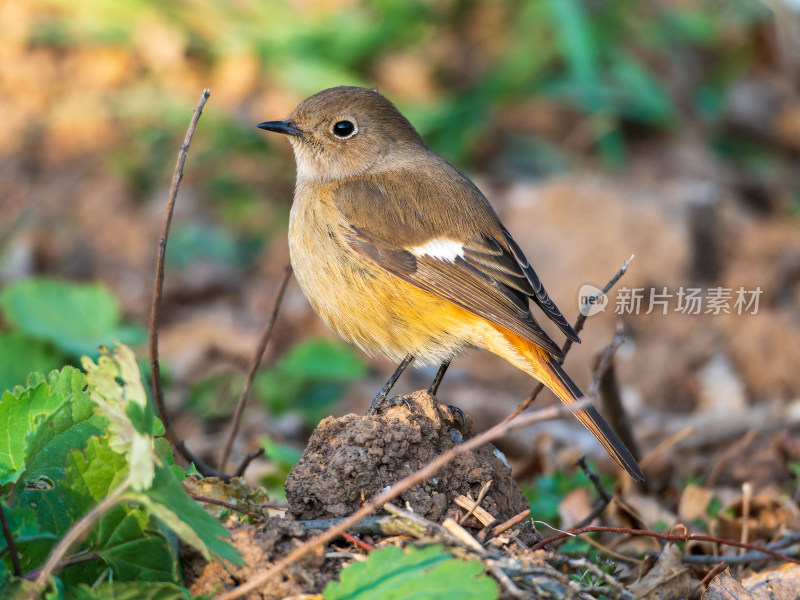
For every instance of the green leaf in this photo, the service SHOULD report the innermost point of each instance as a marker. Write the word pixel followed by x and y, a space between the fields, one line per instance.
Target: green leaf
pixel 285 456
pixel 391 574
pixel 133 549
pixel 323 359
pixel 24 527
pixel 119 590
pixel 76 317
pixel 186 518
pixel 23 411
pixel 58 433
pixel 124 538
pixel 67 428
pixel 310 378
pixel 92 474
pixel 21 355
pixel 115 385
pixel 76 482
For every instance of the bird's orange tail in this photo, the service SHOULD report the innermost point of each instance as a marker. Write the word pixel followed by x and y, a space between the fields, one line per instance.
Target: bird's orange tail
pixel 546 369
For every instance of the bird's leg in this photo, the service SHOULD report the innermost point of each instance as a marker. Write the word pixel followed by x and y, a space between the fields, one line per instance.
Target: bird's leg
pixel 379 400
pixel 438 379
pixel 435 388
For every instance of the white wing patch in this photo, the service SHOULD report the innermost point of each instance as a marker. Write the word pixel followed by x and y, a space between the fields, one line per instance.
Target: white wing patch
pixel 439 248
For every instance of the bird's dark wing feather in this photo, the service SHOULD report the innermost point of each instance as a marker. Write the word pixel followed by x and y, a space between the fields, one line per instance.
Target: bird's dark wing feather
pixel 463 284
pixel 539 294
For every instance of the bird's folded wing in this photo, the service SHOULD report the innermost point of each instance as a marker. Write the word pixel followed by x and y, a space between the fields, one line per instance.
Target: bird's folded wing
pixel 539 294
pixel 465 256
pixel 480 279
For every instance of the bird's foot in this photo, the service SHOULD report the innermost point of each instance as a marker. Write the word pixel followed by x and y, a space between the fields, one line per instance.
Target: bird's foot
pixel 454 410
pixel 381 403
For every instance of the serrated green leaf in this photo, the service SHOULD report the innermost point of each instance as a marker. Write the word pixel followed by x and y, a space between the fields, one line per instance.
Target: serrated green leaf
pixel 52 516
pixel 23 411
pixel 186 517
pixel 68 427
pixel 92 474
pixel 134 551
pixel 430 573
pixel 115 385
pixel 76 317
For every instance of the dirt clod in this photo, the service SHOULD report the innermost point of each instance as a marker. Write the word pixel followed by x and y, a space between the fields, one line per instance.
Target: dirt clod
pixel 261 546
pixel 350 459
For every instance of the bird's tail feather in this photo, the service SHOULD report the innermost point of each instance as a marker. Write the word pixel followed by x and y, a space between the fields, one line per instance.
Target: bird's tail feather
pixel 546 369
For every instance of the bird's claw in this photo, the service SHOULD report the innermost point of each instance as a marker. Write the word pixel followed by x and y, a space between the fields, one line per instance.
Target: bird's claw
pixel 453 410
pixel 381 403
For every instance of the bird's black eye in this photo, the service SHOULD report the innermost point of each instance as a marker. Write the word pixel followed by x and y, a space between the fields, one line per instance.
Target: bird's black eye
pixel 344 129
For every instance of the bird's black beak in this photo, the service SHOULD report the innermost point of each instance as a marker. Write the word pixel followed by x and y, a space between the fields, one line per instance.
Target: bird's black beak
pixel 286 127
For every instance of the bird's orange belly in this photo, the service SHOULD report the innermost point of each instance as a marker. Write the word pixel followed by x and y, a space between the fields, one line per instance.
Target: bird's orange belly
pixel 368 306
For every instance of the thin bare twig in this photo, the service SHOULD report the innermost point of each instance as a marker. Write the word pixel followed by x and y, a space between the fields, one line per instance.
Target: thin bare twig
pixel 515 520
pixel 747 495
pixel 398 488
pixel 483 534
pixel 683 537
pixel 735 559
pixel 158 289
pixel 732 451
pixel 610 398
pixel 74 535
pixel 357 542
pixel 594 478
pixel 10 542
pixel 579 323
pixel 383 525
pixel 609 552
pixel 605 497
pixel 254 364
pixel 76 559
pixel 421 528
pixel 481 496
pixel 251 456
pixel 710 575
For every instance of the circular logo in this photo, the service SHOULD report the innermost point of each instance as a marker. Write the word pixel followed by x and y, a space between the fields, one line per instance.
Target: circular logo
pixel 591 300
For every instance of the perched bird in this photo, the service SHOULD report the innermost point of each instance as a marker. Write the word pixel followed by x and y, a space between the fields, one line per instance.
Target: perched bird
pixel 401 254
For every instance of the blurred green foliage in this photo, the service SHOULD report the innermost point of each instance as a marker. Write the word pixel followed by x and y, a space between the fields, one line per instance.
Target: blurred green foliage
pixel 612 61
pixel 310 378
pixel 283 458
pixel 51 322
pixel 546 493
pixel 193 242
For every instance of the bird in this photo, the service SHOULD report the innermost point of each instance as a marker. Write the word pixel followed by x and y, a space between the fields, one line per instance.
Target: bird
pixel 401 254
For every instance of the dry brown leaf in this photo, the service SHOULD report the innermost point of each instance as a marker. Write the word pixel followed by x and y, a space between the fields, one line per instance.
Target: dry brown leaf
pixel 778 584
pixel 725 587
pixel 574 507
pixel 236 492
pixel 668 579
pixel 769 514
